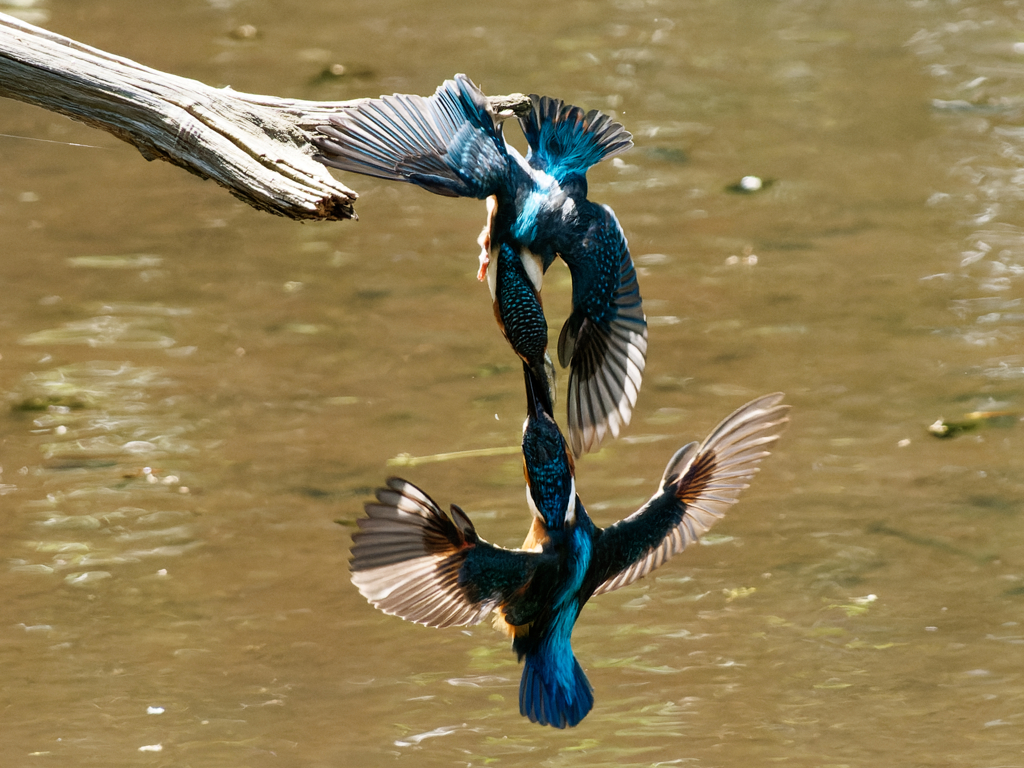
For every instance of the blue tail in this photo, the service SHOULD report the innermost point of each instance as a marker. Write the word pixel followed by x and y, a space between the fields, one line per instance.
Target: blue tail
pixel 564 140
pixel 447 143
pixel 552 696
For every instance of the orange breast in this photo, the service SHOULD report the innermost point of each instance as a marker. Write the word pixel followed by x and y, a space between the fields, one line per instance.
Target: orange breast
pixel 537 536
pixel 509 630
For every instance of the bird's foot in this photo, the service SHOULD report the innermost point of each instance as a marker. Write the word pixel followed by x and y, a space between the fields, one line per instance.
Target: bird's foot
pixel 485 259
pixel 484 241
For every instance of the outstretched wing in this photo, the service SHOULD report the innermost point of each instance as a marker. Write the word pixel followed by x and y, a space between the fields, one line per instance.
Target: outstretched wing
pixel 447 143
pixel 699 485
pixel 604 341
pixel 409 559
pixel 565 141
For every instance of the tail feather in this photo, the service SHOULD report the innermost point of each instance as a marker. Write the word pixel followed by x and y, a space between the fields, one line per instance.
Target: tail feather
pixel 548 699
pixel 564 140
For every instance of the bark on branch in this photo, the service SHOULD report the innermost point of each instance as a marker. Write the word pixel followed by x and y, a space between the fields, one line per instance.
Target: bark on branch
pixel 257 147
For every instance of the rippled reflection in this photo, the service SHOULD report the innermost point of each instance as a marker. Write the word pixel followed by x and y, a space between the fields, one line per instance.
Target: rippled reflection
pixel 195 393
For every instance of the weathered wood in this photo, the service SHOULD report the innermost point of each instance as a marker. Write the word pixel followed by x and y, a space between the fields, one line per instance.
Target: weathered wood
pixel 257 147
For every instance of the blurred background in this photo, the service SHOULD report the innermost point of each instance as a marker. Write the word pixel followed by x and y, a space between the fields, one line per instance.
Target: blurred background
pixel 193 394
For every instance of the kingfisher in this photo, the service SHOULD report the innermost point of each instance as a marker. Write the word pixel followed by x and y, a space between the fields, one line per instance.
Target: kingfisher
pixel 452 144
pixel 410 559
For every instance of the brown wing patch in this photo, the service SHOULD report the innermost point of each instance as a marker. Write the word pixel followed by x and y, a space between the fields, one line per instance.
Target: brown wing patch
pixel 700 484
pixel 697 478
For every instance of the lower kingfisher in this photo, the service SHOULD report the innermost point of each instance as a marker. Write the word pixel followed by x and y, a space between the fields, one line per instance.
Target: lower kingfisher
pixel 452 144
pixel 411 560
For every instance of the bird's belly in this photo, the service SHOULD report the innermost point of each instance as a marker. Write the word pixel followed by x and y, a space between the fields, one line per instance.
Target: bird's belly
pixel 511 631
pixel 537 535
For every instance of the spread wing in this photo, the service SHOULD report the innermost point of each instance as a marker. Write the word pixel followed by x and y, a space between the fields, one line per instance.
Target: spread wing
pixel 409 559
pixel 700 483
pixel 604 341
pixel 447 143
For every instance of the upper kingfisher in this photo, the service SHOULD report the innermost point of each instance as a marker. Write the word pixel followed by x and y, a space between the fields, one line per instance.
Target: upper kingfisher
pixel 452 144
pixel 411 560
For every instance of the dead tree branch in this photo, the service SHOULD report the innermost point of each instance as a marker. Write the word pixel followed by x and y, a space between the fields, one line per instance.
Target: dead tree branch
pixel 257 147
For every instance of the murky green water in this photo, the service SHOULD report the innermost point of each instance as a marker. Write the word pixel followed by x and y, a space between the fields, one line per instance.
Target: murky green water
pixel 194 392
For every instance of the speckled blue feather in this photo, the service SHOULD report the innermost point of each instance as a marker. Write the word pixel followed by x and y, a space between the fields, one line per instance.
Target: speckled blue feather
pixel 549 469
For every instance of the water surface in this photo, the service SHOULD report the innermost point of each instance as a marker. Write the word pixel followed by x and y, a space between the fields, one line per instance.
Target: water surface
pixel 195 393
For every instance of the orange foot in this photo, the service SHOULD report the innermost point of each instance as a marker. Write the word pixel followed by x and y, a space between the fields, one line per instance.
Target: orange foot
pixel 484 241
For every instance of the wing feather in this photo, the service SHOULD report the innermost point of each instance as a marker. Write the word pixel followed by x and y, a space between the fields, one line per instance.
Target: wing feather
pixel 604 341
pixel 410 560
pixel 447 143
pixel 701 482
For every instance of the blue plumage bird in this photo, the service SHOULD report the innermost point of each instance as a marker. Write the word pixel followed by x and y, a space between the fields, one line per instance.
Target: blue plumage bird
pixel 452 144
pixel 411 560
